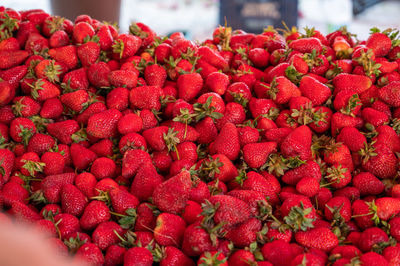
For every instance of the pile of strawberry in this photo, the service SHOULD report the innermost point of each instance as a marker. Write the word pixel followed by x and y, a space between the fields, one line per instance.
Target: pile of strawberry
pixel 245 149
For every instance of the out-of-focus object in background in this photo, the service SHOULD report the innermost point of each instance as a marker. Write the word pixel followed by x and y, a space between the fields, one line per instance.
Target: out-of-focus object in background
pixel 255 15
pixel 103 10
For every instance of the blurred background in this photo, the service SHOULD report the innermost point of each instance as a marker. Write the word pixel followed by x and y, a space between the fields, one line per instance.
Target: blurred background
pixel 198 18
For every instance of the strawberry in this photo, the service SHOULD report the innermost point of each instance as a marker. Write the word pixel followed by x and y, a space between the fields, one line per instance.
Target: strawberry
pixel 217 82
pixel 6 165
pixel 54 163
pixel 126 78
pixel 227 142
pixel 241 257
pixel 23 213
pixel 66 55
pixel 351 82
pixel 126 45
pixel 171 195
pixel 43 89
pixel 98 73
pixel 52 186
pixel 88 53
pixel 256 154
pixel 132 160
pixel 143 186
pixel 298 143
pixel 90 253
pixel 368 184
pixel 146 97
pixel 105 234
pixel 138 256
pixel 227 210
pixel 197 240
pixel 169 230
pixel 63 131
pixel 379 160
pixel 380 43
pixel 94 214
pixel 7 93
pixel 51 108
pixel 306 45
pixel 320 238
pixel 155 75
pixel 317 92
pixel 281 90
pixel 189 86
pixel 22 129
pixel 10 59
pixel 244 234
pixel 278 252
pixel 72 200
pixel 104 124
pixel 81 156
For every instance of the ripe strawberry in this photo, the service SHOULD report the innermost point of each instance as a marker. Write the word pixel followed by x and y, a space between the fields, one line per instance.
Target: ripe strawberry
pixel 316 91
pixel 368 184
pixel 94 214
pixel 241 257
pixel 227 142
pixel 90 253
pixel 379 160
pixel 104 124
pixel 81 156
pixel 9 59
pixel 66 55
pixel 72 200
pixel 155 75
pixel 88 53
pixel 22 212
pixel 351 82
pixel 228 210
pixel 97 74
pixel 146 97
pixel 126 45
pixel 306 45
pixel 320 238
pixel 171 196
pixel 43 89
pixel 54 163
pixel 169 230
pixel 6 165
pixel 105 234
pixel 256 154
pixel 51 108
pixel 380 43
pixel 138 256
pixel 298 143
pixel 63 131
pixel 25 106
pixel 196 240
pixel 51 186
pixel 132 160
pixel 189 86
pixel 145 181
pixel 278 252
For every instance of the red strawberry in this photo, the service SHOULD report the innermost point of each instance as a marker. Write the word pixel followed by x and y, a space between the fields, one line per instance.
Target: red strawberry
pixel 6 165
pixel 66 55
pixel 227 142
pixel 81 31
pixel 241 257
pixel 172 195
pixel 320 238
pixel 43 89
pixel 169 230
pixel 278 252
pixel 306 45
pixel 351 82
pixel 72 200
pixel 54 163
pixel 242 235
pixel 256 154
pixel 138 256
pixel 104 124
pixel 94 214
pixel 379 160
pixel 23 213
pixel 298 143
pixel 380 43
pixel 126 78
pixel 88 53
pixel 189 86
pixel 63 130
pixel 81 156
pixel 373 258
pixel 97 74
pixel 9 59
pixel 155 75
pixel 145 181
pixel 196 240
pixel 132 160
pixel 52 185
pixel 316 91
pixel 368 184
pixel 146 97
pixel 126 45
pixel 370 237
pixel 90 253
pixel 105 234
